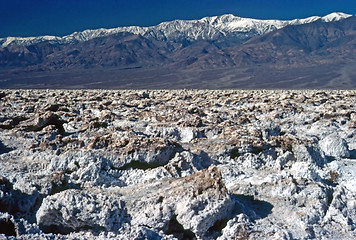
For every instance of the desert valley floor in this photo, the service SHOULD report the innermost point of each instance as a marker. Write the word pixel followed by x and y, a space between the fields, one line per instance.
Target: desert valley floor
pixel 178 164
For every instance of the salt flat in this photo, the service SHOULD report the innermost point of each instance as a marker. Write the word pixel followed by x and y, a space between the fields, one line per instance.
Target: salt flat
pixel 177 164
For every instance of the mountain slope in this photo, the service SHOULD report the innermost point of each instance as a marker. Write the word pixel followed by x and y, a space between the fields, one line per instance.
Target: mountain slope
pixel 317 54
pixel 315 43
pixel 120 50
pixel 208 28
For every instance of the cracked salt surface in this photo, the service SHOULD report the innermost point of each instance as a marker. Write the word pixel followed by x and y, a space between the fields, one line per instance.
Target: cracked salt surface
pixel 178 164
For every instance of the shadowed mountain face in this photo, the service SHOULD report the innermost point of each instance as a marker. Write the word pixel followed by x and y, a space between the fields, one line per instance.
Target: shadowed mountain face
pixel 120 50
pixel 314 43
pixel 314 55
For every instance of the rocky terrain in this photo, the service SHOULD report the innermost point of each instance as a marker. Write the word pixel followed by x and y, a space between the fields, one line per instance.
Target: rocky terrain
pixel 182 164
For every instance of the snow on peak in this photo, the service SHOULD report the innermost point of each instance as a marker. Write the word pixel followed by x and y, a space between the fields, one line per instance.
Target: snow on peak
pixel 335 16
pixel 206 28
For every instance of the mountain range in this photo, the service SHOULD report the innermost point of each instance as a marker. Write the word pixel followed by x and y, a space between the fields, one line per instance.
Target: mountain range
pixel 213 52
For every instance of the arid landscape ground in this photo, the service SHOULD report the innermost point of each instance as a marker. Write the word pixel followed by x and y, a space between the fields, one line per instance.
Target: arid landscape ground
pixel 178 164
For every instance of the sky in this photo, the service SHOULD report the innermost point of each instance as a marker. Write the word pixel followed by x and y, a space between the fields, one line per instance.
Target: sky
pixel 63 17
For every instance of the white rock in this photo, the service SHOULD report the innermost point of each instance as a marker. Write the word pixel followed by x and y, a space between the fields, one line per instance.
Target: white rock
pixel 73 210
pixel 236 227
pixel 304 170
pixel 186 135
pixel 310 154
pixel 196 201
pixel 334 146
pixel 341 214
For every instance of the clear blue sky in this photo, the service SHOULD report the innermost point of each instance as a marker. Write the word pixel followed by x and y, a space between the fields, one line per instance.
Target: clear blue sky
pixel 62 17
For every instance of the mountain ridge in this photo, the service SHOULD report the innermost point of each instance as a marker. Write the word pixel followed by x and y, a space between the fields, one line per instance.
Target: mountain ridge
pixel 312 55
pixel 207 28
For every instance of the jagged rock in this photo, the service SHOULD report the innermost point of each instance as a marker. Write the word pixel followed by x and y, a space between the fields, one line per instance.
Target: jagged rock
pixel 334 146
pixel 74 210
pixel 284 160
pixel 12 227
pixel 185 163
pixel 309 154
pixel 86 168
pixel 195 202
pixel 16 202
pixel 150 156
pixel 208 196
pixel 182 134
pixel 341 214
pixel 236 228
pixel 43 121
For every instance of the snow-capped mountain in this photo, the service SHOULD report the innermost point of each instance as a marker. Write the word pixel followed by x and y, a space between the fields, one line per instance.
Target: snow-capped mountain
pixel 208 28
pixel 238 52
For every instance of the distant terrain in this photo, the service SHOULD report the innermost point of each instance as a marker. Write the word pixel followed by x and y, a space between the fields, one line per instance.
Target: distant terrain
pixel 211 53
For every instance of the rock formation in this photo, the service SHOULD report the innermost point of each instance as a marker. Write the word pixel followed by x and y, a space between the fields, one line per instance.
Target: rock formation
pixel 181 164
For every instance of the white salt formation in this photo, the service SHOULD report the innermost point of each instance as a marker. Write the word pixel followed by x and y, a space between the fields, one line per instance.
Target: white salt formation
pixel 178 164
